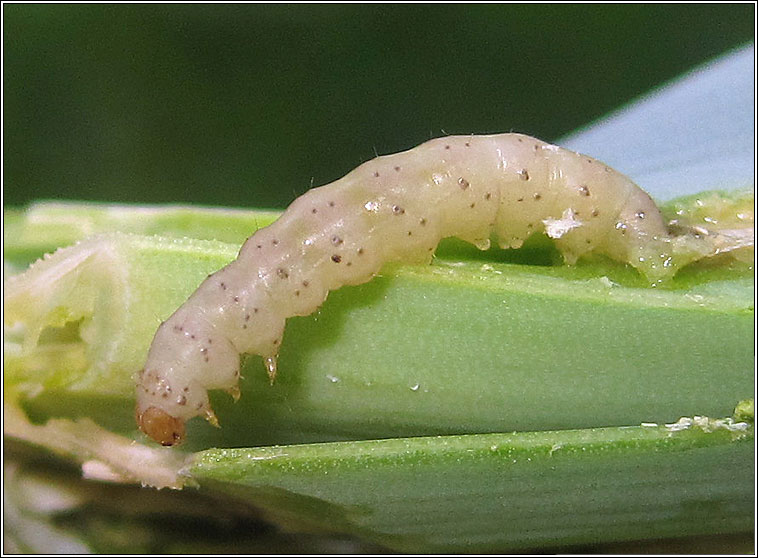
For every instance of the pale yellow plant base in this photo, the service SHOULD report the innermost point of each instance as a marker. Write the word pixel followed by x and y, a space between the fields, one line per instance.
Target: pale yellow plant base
pixel 104 456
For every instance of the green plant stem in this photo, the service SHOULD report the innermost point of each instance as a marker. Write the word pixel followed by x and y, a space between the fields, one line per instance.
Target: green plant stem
pixel 500 492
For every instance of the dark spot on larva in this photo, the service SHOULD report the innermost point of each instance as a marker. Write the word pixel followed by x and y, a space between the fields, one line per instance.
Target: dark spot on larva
pixel 276 341
pixel 199 406
pixel 447 147
pixel 236 373
pixel 523 174
pixel 177 328
pixel 297 292
pixel 259 246
pixel 536 147
pixel 275 242
pixel 588 241
pixel 331 204
pixel 607 169
pixel 410 233
pixel 430 249
pixel 520 140
pixel 223 286
pixel 244 326
pixel 583 190
pixel 537 196
pixel 487 196
pixel 164 395
pixel 397 210
pixel 314 210
pixel 640 214
pixel 336 258
pixel 282 273
pixel 192 336
pixel 336 240
pixel 186 389
pixel 236 298
pixel 472 205
pixel 348 264
pixel 529 225
pixel 595 213
pixel 210 341
pixel 589 161
pixel 182 400
pixel 204 350
pixel 206 359
pixel 520 200
pixel 247 317
pixel 397 169
pixel 422 221
pixel 467 144
pixel 463 183
pixel 305 283
pixel 255 310
pixel 376 174
pixel 360 251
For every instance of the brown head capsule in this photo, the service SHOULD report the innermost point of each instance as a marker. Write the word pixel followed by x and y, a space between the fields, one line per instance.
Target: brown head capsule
pixel 160 426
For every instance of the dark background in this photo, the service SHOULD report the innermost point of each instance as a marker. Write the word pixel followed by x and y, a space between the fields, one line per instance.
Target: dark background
pixel 247 105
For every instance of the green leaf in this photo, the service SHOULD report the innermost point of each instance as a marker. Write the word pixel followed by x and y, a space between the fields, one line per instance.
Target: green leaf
pixel 475 344
pixel 43 227
pixel 502 492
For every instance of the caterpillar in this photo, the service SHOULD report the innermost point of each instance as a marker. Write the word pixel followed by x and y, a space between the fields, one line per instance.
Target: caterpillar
pixel 397 208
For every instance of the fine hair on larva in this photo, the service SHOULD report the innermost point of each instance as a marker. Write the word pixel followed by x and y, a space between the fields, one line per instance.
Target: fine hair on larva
pixel 396 208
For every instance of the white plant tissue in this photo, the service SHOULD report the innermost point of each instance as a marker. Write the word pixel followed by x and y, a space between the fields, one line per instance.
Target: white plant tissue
pixel 696 133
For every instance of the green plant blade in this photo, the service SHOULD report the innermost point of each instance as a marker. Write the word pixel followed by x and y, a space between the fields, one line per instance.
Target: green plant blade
pixel 502 492
pixel 478 343
pixel 43 227
pixel 475 345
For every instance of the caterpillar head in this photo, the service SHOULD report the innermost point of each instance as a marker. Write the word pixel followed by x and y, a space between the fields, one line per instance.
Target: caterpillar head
pixel 160 426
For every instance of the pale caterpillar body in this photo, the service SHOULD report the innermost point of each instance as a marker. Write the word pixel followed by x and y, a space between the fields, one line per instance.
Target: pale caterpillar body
pixel 396 208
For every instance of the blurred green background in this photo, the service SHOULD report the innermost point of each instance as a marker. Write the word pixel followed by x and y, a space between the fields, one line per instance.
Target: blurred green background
pixel 248 105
